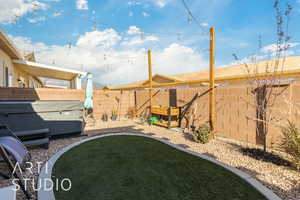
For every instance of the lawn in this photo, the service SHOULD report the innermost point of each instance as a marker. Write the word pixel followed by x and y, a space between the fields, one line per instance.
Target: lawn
pixel 138 168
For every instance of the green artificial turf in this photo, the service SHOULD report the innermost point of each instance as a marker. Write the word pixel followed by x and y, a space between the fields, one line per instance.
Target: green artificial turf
pixel 138 168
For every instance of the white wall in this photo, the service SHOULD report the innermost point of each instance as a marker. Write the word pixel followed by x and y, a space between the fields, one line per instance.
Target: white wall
pixel 75 83
pixel 5 61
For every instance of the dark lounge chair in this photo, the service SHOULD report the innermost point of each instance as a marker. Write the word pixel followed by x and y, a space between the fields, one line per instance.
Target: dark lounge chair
pixel 29 138
pixel 12 147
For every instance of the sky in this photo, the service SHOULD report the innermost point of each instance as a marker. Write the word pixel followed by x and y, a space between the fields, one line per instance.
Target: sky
pixel 110 38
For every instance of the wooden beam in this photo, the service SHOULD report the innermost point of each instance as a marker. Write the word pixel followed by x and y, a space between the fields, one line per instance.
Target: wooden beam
pixel 212 98
pixel 150 78
pixel 286 74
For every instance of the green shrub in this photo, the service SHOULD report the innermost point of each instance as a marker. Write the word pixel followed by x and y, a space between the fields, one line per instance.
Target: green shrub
pixel 202 134
pixel 291 143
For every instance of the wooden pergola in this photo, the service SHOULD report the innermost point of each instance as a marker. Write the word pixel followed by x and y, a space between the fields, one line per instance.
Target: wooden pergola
pixel 213 76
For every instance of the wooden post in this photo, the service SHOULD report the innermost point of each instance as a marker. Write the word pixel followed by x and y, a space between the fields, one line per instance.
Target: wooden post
pixel 169 116
pixel 212 100
pixel 150 79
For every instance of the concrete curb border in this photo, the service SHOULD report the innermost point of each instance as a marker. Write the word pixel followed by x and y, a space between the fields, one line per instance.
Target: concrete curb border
pixel 49 195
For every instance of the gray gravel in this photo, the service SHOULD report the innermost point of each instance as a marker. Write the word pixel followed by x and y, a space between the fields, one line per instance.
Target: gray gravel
pixel 282 180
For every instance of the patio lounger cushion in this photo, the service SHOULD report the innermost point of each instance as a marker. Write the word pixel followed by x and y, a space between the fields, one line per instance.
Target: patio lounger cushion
pixel 19 152
pixel 15 148
pixel 10 144
pixel 29 137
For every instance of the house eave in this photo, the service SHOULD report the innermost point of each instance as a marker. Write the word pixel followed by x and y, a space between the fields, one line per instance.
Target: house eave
pixel 8 47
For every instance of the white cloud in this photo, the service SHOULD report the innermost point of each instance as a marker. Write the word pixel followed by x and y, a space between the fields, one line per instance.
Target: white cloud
pixel 82 4
pixel 161 3
pixel 250 59
pixel 177 58
pixel 12 10
pixel 57 13
pixel 130 14
pixel 24 43
pixel 102 53
pixel 106 38
pixel 289 53
pixel 137 40
pixel 36 19
pixel 146 3
pixel 134 3
pixel 273 47
pixel 151 38
pixel 266 52
pixel 133 30
pixel 204 24
pixel 145 14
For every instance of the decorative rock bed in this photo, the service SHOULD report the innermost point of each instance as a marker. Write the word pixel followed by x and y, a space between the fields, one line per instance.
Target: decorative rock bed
pixel 46 172
pixel 282 180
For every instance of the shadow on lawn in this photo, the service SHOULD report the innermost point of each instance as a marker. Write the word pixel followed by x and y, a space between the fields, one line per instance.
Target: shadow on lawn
pixel 183 146
pixel 210 155
pixel 164 138
pixel 151 134
pixel 124 129
pixel 127 129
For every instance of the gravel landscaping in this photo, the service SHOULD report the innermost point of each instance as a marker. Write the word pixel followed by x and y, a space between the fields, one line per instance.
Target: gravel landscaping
pixel 281 179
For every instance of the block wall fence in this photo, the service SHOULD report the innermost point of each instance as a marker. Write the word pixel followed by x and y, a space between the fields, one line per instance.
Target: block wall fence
pixel 104 101
pixel 236 112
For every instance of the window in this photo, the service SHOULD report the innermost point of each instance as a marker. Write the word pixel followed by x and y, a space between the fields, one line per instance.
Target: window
pixel 5 75
pixel 10 80
pixel 31 83
pixel 6 79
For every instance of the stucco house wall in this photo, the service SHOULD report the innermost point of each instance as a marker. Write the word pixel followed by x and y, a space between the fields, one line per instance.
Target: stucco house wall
pixel 14 74
pixel 5 62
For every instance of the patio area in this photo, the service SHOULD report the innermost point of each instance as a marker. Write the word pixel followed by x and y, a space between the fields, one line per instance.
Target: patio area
pixel 281 179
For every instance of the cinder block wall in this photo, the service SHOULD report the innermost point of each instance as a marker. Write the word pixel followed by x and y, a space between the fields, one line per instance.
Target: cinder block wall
pixel 235 106
pixel 236 112
pixel 30 94
pixel 160 98
pixel 107 101
pixel 104 101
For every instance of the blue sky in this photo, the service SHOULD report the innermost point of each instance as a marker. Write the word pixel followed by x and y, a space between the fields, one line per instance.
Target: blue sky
pixel 93 35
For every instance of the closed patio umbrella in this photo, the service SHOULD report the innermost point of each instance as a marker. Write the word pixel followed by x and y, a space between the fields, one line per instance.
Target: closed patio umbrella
pixel 88 103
